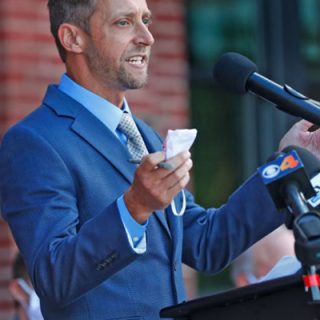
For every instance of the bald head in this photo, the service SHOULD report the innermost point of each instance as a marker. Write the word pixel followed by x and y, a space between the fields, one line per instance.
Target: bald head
pixel 257 261
pixel 268 251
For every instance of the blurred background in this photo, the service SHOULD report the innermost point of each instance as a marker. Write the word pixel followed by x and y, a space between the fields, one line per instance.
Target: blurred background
pixel 235 133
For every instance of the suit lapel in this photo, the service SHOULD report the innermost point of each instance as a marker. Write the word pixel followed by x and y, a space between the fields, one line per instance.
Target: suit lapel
pixel 104 141
pixel 92 130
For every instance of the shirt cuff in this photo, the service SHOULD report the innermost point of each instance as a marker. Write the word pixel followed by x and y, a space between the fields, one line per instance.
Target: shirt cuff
pixel 135 231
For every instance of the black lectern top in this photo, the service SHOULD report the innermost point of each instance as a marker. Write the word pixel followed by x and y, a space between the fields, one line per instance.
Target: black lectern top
pixel 282 298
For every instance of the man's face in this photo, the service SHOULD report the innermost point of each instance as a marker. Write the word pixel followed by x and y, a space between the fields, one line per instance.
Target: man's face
pixel 119 44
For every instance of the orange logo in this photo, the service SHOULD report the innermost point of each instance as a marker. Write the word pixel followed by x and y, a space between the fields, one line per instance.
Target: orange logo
pixel 289 162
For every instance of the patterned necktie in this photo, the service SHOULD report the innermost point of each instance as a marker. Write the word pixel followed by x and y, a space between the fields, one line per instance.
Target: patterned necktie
pixel 135 144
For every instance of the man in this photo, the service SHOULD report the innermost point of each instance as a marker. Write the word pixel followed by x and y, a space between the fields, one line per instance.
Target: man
pixel 96 231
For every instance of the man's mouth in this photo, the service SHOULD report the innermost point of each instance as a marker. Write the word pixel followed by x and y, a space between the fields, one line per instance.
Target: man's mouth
pixel 137 60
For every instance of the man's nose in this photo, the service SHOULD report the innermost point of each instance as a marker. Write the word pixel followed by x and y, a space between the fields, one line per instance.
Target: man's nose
pixel 143 36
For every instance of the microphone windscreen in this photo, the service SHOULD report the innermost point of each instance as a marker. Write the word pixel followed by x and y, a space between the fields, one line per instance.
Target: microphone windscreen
pixel 232 72
pixel 310 162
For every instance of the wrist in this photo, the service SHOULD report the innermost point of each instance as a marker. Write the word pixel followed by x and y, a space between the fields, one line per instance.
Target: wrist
pixel 138 212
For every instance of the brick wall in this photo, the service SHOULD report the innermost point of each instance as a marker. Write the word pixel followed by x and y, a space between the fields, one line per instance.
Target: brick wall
pixel 29 61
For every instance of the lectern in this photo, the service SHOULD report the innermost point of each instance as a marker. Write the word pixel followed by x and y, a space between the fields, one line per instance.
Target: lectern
pixel 282 298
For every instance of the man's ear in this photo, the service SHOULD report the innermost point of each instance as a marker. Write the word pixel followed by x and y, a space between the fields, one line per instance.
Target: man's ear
pixel 71 38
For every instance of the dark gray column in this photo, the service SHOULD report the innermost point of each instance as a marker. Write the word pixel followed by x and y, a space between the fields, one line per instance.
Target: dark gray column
pixel 279 58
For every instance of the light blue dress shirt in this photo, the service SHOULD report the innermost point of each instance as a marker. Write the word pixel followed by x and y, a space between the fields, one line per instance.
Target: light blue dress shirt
pixel 110 116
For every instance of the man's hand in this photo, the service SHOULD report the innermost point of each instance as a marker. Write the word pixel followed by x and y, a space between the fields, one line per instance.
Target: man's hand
pixel 302 134
pixel 153 187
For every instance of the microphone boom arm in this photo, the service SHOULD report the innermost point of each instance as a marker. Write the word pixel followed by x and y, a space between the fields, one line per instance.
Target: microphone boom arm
pixel 306 228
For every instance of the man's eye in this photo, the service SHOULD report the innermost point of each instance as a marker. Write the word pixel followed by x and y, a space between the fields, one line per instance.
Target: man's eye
pixel 147 21
pixel 123 23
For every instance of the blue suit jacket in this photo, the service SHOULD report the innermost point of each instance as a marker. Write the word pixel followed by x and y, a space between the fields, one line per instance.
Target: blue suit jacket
pixel 61 171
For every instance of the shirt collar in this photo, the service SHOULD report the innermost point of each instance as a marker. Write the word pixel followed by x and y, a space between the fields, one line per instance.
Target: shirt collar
pixel 105 111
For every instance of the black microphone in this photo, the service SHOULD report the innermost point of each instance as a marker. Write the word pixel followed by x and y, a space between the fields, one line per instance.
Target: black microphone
pixel 288 175
pixel 237 74
pixel 306 224
pixel 312 168
pixel 309 160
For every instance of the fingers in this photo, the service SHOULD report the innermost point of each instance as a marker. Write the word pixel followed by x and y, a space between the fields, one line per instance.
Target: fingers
pixel 179 185
pixel 155 163
pixel 154 187
pixel 177 175
pixel 296 134
pixel 150 162
pixel 304 125
pixel 176 179
pixel 303 134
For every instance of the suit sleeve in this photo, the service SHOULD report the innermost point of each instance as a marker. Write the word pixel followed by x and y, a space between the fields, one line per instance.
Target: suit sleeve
pixel 215 237
pixel 39 201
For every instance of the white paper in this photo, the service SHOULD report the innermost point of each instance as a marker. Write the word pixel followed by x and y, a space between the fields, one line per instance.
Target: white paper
pixel 178 141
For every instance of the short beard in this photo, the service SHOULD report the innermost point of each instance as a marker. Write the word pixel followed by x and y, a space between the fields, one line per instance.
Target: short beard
pixel 128 81
pixel 108 74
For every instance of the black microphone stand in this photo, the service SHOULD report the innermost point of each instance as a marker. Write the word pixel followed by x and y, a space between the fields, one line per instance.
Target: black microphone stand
pixel 306 229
